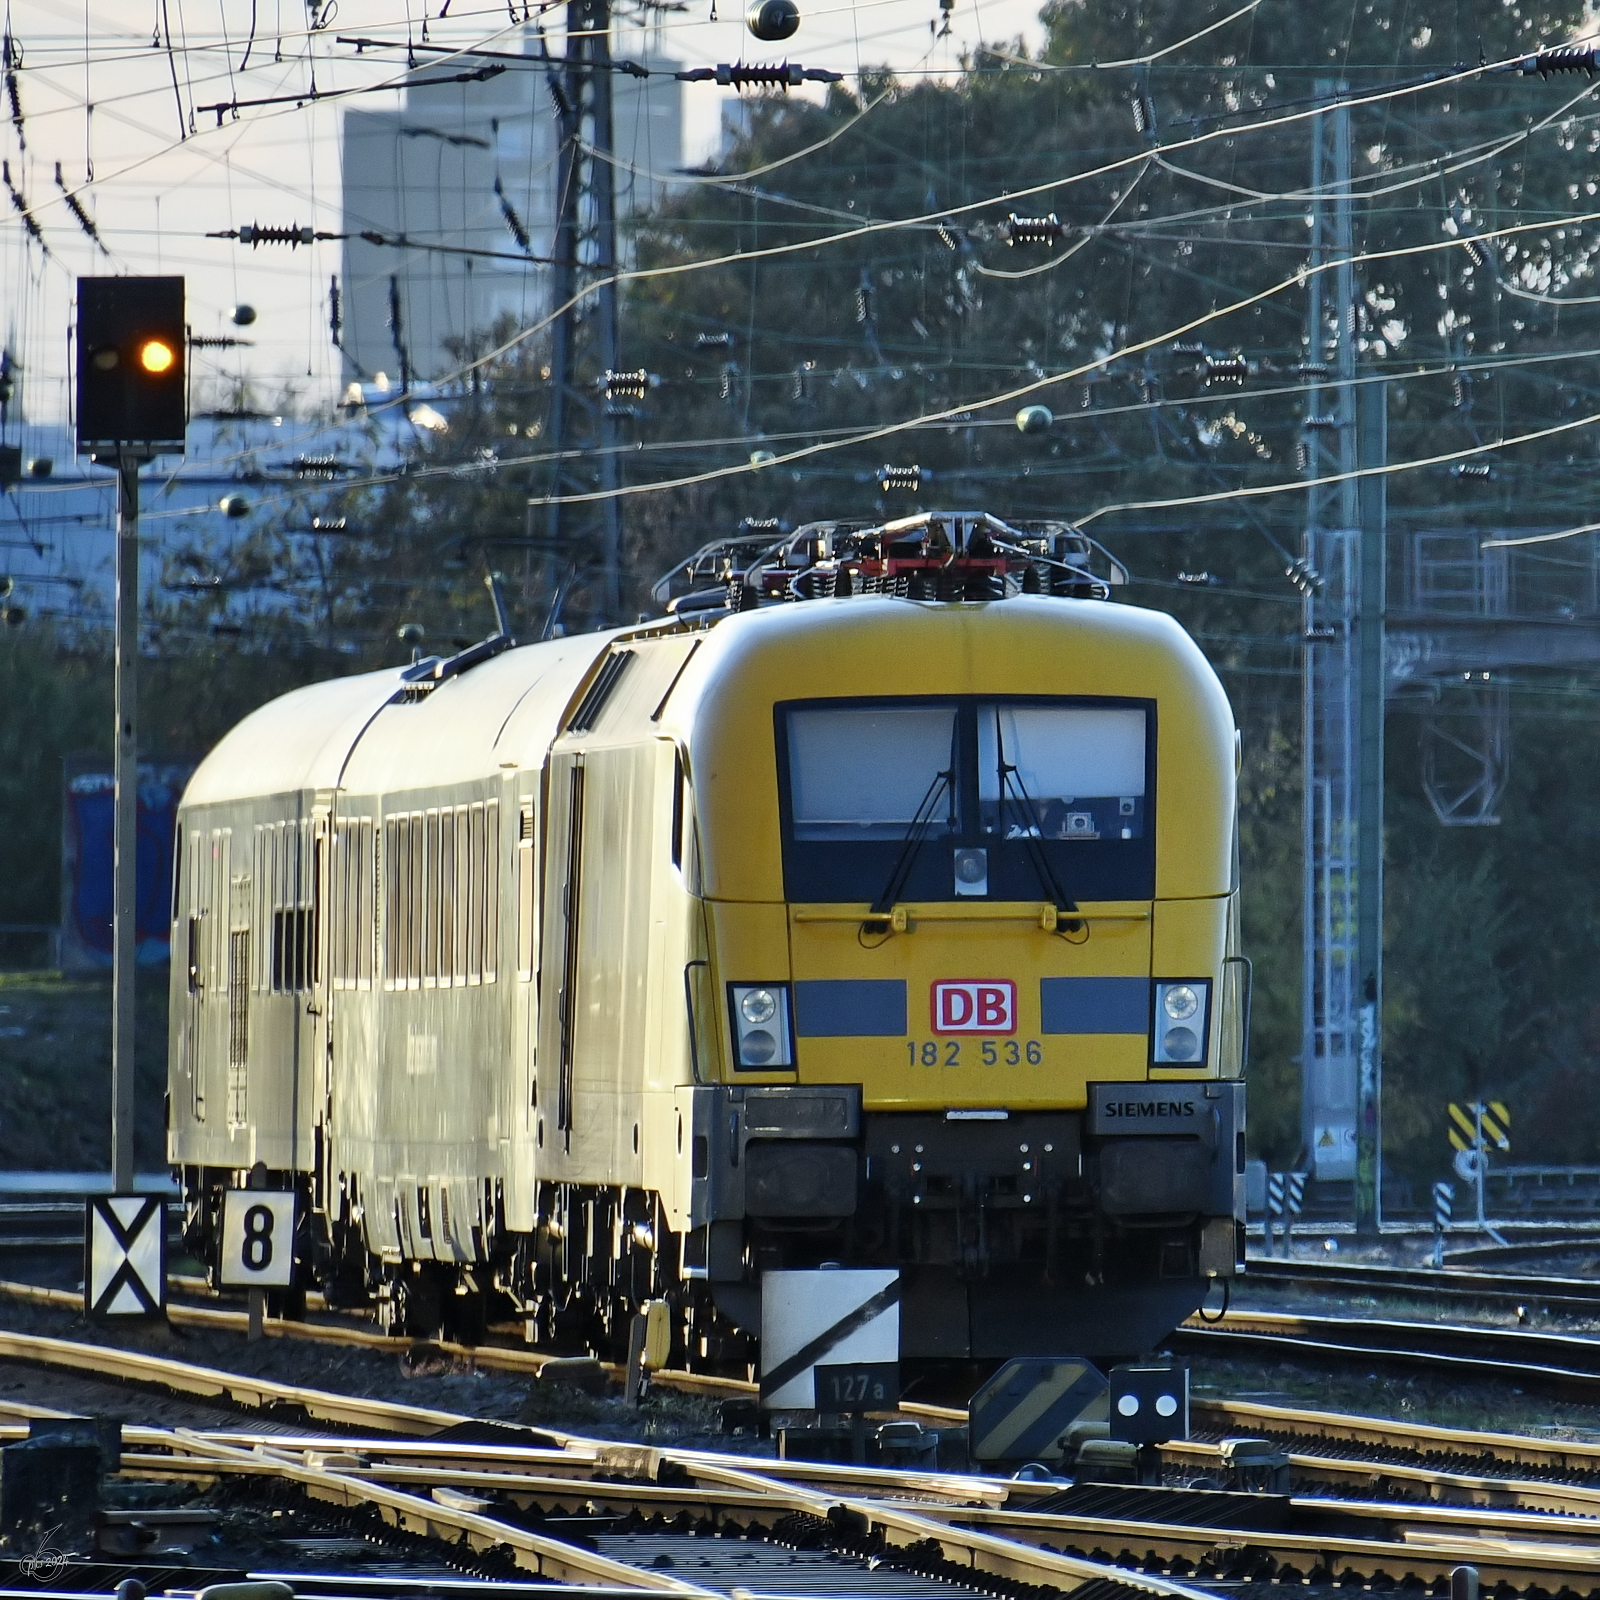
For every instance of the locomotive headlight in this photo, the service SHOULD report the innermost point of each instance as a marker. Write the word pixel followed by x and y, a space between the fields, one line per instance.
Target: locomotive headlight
pixel 762 1035
pixel 1180 1002
pixel 1182 1022
pixel 757 1047
pixel 757 1006
pixel 1180 1044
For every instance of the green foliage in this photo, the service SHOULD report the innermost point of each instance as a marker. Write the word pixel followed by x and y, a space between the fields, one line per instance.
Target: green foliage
pixel 55 703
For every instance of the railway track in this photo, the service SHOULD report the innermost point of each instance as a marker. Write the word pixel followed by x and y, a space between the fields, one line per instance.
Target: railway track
pixel 1578 1296
pixel 577 1510
pixel 1564 1366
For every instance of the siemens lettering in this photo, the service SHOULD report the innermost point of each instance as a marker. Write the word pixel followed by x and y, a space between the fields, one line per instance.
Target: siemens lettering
pixel 1149 1108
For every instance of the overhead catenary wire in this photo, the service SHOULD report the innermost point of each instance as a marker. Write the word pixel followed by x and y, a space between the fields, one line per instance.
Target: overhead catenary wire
pixel 887 224
pixel 1012 395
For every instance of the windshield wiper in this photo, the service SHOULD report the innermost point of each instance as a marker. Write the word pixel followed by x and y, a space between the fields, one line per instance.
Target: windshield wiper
pixel 1032 832
pixel 911 843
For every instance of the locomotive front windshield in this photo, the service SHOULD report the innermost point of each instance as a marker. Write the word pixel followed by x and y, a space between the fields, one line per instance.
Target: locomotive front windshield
pixel 1044 789
pixel 865 772
pixel 1061 772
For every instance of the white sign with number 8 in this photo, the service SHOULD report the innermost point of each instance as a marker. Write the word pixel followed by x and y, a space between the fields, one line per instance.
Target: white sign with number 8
pixel 257 1239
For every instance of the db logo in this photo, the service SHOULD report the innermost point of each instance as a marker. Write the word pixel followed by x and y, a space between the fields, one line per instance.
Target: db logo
pixel 971 1006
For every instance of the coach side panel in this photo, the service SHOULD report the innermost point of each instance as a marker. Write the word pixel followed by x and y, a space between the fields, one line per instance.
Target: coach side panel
pixel 242 1067
pixel 422 1074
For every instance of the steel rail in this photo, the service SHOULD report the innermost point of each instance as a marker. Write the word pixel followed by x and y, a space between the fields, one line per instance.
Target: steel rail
pixel 211 1383
pixel 1416 1439
pixel 1432 1555
pixel 779 1486
pixel 1421 1344
pixel 1451 1283
pixel 1432 1540
pixel 1427 1541
pixel 1483 1340
pixel 1437 1530
pixel 894 1526
pixel 988 1540
pixel 765 1500
pixel 486 1357
pixel 1468 1488
pixel 435 1519
pixel 573 1471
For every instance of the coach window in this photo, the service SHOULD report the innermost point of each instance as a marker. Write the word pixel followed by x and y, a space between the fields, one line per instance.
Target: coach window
pixel 491 890
pixel 685 841
pixel 430 898
pixel 527 888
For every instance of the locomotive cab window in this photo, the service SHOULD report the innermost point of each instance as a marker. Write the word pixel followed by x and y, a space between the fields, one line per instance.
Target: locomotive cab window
pixel 1074 773
pixel 867 772
pixel 1008 799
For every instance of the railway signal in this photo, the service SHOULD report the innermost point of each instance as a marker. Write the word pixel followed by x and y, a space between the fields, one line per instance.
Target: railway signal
pixel 132 404
pixel 1150 1402
pixel 132 376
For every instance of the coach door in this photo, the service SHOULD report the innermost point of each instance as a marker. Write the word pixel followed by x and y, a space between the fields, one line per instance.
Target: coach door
pixel 560 955
pixel 317 1014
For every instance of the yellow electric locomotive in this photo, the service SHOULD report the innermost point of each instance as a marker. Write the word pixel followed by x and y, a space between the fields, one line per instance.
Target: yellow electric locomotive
pixel 876 908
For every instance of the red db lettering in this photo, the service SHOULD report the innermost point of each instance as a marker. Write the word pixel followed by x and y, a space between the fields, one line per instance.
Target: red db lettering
pixel 972 1005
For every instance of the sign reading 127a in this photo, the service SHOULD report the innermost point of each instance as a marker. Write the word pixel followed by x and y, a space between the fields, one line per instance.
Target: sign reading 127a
pixel 974 1005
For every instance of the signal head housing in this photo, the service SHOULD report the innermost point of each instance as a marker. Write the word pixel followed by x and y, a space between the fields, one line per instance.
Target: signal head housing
pixel 133 383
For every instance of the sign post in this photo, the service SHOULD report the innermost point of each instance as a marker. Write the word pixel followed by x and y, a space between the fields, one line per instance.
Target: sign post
pixel 125 868
pixel 132 404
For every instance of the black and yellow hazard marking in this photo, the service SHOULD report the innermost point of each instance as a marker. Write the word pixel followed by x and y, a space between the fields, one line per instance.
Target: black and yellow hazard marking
pixel 1022 1412
pixel 1497 1125
pixel 1464 1123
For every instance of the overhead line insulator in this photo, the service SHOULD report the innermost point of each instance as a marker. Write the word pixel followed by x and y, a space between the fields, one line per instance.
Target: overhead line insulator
pixel 1584 58
pixel 739 74
pixel 254 234
pixel 1033 230
pixel 625 385
pixel 906 479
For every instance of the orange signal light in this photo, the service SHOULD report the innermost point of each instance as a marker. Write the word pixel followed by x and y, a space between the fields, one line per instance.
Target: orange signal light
pixel 156 356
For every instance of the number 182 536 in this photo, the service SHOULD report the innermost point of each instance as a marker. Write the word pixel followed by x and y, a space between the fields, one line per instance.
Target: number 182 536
pixel 970 1052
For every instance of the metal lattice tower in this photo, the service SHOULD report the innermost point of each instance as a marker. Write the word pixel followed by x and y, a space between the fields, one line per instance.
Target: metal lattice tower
pixel 583 542
pixel 1332 608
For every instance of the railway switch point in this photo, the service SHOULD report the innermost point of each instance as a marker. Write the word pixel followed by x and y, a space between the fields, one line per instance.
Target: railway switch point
pixel 574 1372
pixel 1256 1465
pixel 1109 1461
pixel 49 1490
